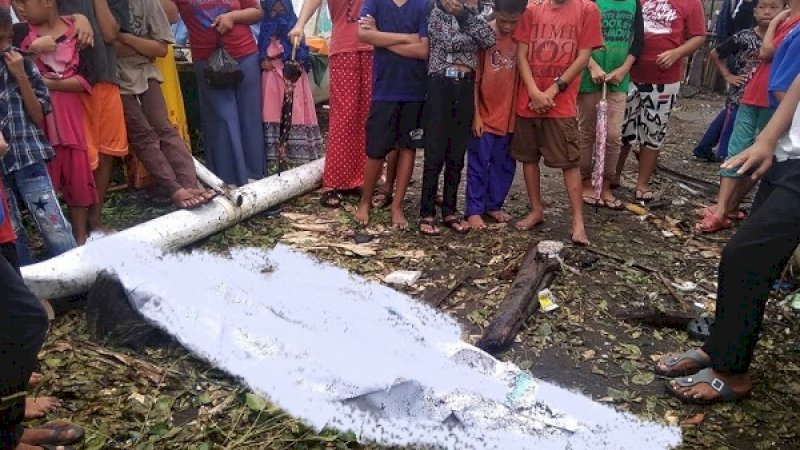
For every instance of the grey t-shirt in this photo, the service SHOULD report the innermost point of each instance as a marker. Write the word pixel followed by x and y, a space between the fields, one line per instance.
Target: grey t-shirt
pixel 148 20
pixel 100 60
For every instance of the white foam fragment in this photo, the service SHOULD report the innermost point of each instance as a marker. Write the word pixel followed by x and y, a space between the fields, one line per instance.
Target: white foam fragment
pixel 337 351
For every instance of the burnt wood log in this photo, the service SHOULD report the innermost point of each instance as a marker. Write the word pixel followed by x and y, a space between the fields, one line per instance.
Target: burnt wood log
pixel 535 273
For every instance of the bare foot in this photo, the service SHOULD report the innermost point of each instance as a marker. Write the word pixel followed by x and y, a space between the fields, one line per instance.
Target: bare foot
pixel 36 407
pixel 362 215
pixel 499 216
pixel 184 199
pixel 56 432
pixel 399 220
pixel 579 236
pixel 530 221
pixel 684 366
pixel 476 222
pixel 205 194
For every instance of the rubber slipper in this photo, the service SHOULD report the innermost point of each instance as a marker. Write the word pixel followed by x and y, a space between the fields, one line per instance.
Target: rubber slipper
pixel 726 394
pixel 429 221
pixel 591 201
pixel 331 199
pixel 644 196
pixel 615 204
pixel 712 224
pixel 674 360
pixel 381 200
pixel 455 224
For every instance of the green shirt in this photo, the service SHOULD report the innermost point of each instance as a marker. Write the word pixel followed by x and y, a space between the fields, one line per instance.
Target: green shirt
pixel 619 23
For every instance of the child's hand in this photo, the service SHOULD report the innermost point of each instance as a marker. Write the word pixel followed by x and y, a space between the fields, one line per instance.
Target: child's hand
pixel 84 34
pixel 43 44
pixel 454 7
pixel 296 32
pixel 540 102
pixel 266 64
pixel 223 23
pixel 598 74
pixel 783 15
pixel 16 64
pixel 735 80
pixel 668 58
pixel 757 158
pixel 367 23
pixel 477 126
pixel 615 76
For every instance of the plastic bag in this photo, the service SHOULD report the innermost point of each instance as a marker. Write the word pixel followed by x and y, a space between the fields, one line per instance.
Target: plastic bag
pixel 222 70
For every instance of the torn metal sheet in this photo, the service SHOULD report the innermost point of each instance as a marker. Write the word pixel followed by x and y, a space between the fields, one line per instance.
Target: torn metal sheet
pixel 337 351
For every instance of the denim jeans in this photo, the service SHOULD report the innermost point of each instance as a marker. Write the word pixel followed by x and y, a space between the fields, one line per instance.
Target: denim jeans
pixel 31 185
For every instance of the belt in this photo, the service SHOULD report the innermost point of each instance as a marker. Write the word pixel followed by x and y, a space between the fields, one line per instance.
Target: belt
pixel 11 400
pixel 452 73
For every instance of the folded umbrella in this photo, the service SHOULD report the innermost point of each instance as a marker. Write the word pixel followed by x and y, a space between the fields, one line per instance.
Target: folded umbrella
pixel 291 73
pixel 600 147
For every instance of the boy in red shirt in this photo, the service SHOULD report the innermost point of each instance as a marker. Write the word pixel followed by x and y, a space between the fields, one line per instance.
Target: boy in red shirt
pixel 673 30
pixel 490 169
pixel 555 41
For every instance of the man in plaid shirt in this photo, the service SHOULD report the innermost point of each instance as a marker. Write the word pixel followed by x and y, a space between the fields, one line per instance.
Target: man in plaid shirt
pixel 24 102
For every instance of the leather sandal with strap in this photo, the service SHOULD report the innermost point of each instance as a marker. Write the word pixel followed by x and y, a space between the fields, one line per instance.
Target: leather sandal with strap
pixel 671 362
pixel 726 394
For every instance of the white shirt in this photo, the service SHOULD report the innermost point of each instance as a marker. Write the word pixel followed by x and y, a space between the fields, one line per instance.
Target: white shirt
pixel 789 145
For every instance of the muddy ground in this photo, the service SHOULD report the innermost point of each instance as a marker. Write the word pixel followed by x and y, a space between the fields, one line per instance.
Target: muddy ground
pixel 163 398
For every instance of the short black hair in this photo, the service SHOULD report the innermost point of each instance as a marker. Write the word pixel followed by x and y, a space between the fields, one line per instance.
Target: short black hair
pixel 5 19
pixel 510 6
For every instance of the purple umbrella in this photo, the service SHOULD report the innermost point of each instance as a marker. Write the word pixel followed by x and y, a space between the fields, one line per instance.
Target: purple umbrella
pixel 600 147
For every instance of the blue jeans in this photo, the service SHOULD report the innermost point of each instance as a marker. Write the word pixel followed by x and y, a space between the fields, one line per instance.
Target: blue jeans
pixel 711 137
pixel 32 186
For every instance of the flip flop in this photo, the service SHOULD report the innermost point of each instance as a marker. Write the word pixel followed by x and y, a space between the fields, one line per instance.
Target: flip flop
pixel 726 394
pixel 712 224
pixel 644 195
pixel 381 199
pixel 429 221
pixel 454 223
pixel 674 360
pixel 615 204
pixel 331 199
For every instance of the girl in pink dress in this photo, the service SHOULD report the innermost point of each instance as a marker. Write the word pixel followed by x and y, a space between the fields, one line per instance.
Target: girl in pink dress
pixel 64 126
pixel 305 139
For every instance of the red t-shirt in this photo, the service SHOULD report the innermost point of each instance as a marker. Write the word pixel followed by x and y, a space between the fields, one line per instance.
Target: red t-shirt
pixel 554 34
pixel 344 17
pixel 200 14
pixel 497 72
pixel 668 24
pixel 755 93
pixel 6 228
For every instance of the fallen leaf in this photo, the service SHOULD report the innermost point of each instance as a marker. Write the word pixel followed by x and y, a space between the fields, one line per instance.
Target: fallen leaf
pixel 318 228
pixel 255 402
pixel 588 354
pixel 694 420
pixel 643 378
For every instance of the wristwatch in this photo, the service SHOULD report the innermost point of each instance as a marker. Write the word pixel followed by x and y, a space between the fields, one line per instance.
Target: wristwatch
pixel 562 85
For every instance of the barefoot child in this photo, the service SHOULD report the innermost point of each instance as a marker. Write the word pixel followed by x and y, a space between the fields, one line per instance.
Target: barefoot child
pixel 752 116
pixel 623 32
pixel 65 127
pixel 154 141
pixel 457 33
pixel 555 41
pixel 398 29
pixel 24 167
pixel 490 169
pixel 275 49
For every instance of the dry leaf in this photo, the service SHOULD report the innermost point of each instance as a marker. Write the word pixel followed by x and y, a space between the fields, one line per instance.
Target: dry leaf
pixel 319 228
pixel 694 420
pixel 588 354
pixel 360 250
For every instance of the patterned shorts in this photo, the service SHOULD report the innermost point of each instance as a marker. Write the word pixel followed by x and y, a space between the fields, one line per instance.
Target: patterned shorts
pixel 647 113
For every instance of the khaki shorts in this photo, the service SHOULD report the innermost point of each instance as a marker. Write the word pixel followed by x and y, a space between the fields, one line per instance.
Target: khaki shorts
pixel 555 140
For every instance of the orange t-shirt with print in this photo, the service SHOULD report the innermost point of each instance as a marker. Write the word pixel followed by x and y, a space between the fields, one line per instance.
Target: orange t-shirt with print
pixel 6 228
pixel 554 33
pixel 497 80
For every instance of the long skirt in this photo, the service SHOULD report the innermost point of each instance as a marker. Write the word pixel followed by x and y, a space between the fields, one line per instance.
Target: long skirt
pixel 351 95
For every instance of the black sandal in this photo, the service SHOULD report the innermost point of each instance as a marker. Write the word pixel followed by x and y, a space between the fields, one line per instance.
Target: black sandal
pixel 331 199
pixel 454 223
pixel 431 222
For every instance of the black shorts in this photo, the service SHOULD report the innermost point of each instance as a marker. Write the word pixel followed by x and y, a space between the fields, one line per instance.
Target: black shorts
pixel 393 125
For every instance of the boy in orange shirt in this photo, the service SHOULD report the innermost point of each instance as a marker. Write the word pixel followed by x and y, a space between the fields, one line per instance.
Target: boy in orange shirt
pixel 555 41
pixel 490 169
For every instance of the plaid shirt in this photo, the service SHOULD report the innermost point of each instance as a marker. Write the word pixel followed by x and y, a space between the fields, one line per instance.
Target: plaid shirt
pixel 26 141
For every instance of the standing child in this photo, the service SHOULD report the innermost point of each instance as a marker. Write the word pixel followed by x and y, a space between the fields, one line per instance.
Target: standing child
pixel 556 39
pixel 490 169
pixel 25 166
pixel 673 31
pixel 457 34
pixel 65 127
pixel 8 248
pixel 398 29
pixel 754 112
pixel 623 32
pixel 275 49
pixel 154 141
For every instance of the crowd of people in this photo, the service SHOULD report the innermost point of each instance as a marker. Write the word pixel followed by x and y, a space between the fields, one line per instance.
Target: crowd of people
pixel 82 84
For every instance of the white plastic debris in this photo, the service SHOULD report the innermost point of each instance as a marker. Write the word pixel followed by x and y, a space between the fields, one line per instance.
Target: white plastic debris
pixel 550 248
pixel 406 277
pixel 686 286
pixel 547 300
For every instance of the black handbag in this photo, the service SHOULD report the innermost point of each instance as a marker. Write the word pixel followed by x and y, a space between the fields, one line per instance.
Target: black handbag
pixel 222 70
